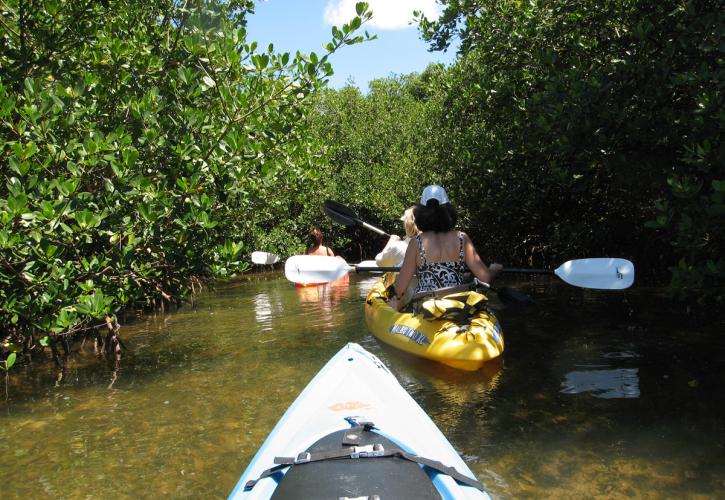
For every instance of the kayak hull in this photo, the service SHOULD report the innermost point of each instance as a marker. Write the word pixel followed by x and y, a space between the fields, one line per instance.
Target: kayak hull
pixel 465 345
pixel 354 384
pixel 338 282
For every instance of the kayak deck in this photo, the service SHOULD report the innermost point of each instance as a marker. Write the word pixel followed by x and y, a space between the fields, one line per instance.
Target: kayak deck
pixel 355 387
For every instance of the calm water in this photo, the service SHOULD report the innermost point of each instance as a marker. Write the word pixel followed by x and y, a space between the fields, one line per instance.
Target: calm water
pixel 599 394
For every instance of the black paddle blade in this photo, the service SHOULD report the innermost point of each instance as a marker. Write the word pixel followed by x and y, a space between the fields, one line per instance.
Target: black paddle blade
pixel 511 295
pixel 340 213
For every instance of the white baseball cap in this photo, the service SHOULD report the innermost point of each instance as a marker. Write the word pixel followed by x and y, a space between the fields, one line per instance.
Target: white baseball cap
pixel 434 192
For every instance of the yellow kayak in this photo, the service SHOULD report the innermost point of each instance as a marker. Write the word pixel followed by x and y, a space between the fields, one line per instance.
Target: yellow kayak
pixel 457 330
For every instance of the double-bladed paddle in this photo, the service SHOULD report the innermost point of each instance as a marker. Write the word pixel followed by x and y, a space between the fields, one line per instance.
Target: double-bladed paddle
pixel 598 273
pixel 313 269
pixel 343 215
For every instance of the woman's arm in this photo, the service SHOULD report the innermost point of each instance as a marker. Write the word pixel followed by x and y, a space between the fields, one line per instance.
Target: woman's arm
pixel 407 271
pixel 475 264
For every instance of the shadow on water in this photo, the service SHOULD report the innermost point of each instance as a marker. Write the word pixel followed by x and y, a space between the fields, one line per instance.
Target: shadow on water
pixel 597 395
pixel 606 395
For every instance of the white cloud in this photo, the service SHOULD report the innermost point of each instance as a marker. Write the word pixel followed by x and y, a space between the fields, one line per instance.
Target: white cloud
pixel 387 14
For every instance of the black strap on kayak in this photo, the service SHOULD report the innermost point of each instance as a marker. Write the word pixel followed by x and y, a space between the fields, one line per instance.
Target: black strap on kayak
pixel 356 452
pixel 269 472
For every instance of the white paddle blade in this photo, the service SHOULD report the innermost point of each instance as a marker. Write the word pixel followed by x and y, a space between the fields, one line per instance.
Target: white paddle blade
pixel 264 258
pixel 602 273
pixel 313 269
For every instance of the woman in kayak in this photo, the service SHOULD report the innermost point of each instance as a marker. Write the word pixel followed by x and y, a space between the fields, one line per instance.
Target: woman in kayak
pixel 317 247
pixel 439 255
pixel 394 252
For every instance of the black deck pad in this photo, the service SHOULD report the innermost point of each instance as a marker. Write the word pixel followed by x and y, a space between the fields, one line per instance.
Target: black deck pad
pixel 387 477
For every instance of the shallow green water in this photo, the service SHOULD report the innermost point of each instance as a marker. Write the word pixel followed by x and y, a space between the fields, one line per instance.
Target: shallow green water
pixel 598 395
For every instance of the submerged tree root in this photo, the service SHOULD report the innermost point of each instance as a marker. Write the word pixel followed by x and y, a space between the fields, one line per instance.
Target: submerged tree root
pixel 104 337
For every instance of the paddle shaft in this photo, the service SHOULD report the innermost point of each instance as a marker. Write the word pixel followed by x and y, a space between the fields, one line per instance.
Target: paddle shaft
pixel 366 269
pixel 372 228
pixel 504 293
pixel 505 269
pixel 527 271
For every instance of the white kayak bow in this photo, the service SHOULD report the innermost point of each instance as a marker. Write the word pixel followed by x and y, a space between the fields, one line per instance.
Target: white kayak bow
pixel 264 258
pixel 599 273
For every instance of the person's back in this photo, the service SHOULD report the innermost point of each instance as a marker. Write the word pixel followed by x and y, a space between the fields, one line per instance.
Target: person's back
pixel 320 250
pixel 317 247
pixel 440 255
pixel 441 260
pixel 441 247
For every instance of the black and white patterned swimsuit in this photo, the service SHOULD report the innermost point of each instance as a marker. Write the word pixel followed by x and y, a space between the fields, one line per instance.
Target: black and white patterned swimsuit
pixel 435 275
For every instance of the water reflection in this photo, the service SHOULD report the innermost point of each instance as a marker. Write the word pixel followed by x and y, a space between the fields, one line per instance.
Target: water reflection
pixel 263 311
pixel 364 286
pixel 605 384
pixel 320 303
pixel 457 401
pixel 605 368
pixel 199 389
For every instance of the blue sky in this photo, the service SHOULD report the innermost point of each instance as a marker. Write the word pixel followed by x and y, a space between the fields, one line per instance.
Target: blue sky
pixel 305 25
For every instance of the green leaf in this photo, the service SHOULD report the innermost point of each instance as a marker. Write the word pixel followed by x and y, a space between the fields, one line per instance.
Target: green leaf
pixel 129 158
pixel 16 204
pixel 143 209
pixel 9 362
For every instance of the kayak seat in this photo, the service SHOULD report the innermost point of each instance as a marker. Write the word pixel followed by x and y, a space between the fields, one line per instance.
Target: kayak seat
pixel 387 477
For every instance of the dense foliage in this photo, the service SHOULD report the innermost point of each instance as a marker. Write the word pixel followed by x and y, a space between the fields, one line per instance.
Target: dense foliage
pixel 577 128
pixel 378 147
pixel 143 146
pixel 147 146
pixel 565 129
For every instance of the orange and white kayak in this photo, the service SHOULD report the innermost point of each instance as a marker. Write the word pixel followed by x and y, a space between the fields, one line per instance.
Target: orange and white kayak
pixel 345 280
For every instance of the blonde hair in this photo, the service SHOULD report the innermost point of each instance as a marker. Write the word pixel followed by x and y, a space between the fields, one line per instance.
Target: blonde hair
pixel 411 230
